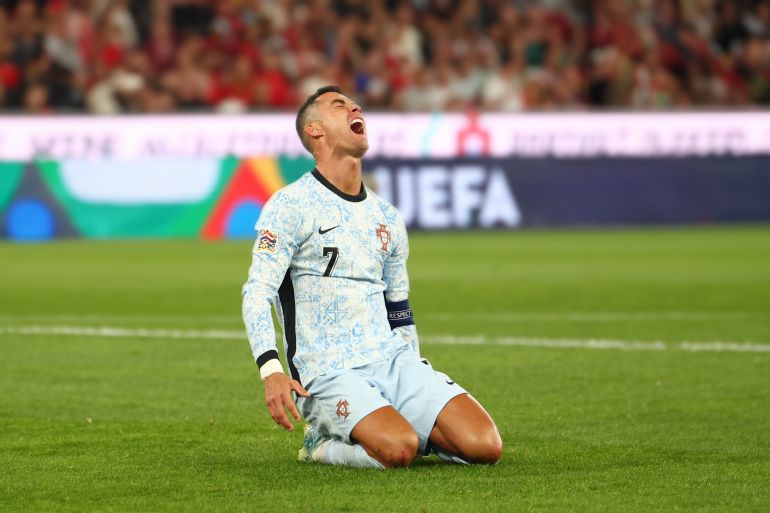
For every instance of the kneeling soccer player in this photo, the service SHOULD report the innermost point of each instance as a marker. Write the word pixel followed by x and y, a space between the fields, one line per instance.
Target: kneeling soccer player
pixel 330 255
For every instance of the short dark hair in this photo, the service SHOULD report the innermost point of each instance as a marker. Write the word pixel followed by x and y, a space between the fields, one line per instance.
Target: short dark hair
pixel 300 123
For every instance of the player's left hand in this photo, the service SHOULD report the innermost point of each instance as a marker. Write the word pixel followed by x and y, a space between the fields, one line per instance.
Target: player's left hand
pixel 278 388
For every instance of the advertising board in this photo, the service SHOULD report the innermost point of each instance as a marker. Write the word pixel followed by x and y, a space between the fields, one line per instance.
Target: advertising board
pixel 222 198
pixel 440 135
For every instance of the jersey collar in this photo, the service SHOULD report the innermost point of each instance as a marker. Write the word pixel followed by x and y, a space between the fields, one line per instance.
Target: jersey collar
pixel 361 196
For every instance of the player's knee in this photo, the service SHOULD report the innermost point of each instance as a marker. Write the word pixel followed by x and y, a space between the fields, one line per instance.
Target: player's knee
pixel 485 447
pixel 493 448
pixel 409 449
pixel 401 450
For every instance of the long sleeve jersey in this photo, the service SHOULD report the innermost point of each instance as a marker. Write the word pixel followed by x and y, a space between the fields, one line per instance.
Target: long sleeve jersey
pixel 334 267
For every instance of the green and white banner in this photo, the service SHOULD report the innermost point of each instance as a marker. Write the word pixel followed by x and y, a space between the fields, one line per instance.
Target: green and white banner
pixel 210 198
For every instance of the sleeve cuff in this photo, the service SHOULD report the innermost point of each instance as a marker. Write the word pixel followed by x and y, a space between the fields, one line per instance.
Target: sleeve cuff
pixel 271 367
pixel 266 357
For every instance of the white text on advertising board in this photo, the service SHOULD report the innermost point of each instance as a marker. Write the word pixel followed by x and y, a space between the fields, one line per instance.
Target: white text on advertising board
pixel 435 196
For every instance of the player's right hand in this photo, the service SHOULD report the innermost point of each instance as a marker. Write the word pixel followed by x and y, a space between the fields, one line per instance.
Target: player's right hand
pixel 278 388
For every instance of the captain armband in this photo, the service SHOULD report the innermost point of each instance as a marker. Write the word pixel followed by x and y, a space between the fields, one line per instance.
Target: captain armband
pixel 399 314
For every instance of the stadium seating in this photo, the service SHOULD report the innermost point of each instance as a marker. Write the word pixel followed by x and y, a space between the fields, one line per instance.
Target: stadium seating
pixel 170 55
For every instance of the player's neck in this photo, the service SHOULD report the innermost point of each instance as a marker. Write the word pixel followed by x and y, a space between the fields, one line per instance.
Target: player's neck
pixel 344 173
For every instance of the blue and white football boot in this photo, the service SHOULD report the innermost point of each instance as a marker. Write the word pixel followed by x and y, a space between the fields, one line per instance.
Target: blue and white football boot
pixel 313 445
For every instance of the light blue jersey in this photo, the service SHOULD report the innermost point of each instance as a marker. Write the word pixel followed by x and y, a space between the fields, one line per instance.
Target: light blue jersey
pixel 329 262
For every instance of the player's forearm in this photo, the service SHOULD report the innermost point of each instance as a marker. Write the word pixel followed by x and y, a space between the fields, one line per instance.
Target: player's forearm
pixel 269 364
pixel 409 334
pixel 401 320
pixel 266 356
pixel 258 320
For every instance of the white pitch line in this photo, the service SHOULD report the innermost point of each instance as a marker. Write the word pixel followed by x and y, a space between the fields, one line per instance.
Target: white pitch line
pixel 730 347
pixel 623 345
pixel 168 318
pixel 588 316
pixel 548 342
pixel 111 331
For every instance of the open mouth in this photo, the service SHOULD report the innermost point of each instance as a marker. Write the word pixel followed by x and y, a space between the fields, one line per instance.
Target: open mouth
pixel 357 126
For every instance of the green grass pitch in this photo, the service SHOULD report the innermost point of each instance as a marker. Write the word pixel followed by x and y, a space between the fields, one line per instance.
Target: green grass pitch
pixel 626 370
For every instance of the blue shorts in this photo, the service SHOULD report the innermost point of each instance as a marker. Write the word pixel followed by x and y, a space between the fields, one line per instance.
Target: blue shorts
pixel 341 398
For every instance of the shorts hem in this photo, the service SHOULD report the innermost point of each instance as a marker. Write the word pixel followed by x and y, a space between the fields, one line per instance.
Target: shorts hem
pixel 423 432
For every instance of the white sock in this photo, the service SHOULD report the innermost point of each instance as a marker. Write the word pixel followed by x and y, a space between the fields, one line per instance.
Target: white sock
pixel 335 452
pixel 451 458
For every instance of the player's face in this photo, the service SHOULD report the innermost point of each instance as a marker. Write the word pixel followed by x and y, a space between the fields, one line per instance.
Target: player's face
pixel 343 124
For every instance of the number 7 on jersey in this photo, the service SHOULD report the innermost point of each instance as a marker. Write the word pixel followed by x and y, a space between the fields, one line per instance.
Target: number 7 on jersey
pixel 332 253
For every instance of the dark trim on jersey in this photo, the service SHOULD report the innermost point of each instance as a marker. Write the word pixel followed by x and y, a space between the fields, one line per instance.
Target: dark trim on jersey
pixel 266 357
pixel 399 313
pixel 286 296
pixel 361 196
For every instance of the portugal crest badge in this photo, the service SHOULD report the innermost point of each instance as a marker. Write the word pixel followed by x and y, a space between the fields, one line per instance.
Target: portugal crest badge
pixel 343 409
pixel 383 235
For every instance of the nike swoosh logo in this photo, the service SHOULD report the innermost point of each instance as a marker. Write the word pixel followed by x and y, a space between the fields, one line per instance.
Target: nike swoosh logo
pixel 321 232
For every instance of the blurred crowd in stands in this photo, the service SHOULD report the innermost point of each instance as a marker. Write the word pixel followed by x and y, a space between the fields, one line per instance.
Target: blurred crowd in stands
pixel 112 56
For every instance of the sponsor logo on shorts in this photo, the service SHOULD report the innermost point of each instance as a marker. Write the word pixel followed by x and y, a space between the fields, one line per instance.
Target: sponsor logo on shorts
pixel 343 409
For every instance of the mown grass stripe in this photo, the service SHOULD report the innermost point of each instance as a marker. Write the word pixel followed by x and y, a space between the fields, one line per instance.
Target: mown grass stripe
pixel 488 317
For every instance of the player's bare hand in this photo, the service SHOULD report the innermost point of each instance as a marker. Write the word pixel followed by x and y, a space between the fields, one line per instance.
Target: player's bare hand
pixel 278 388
